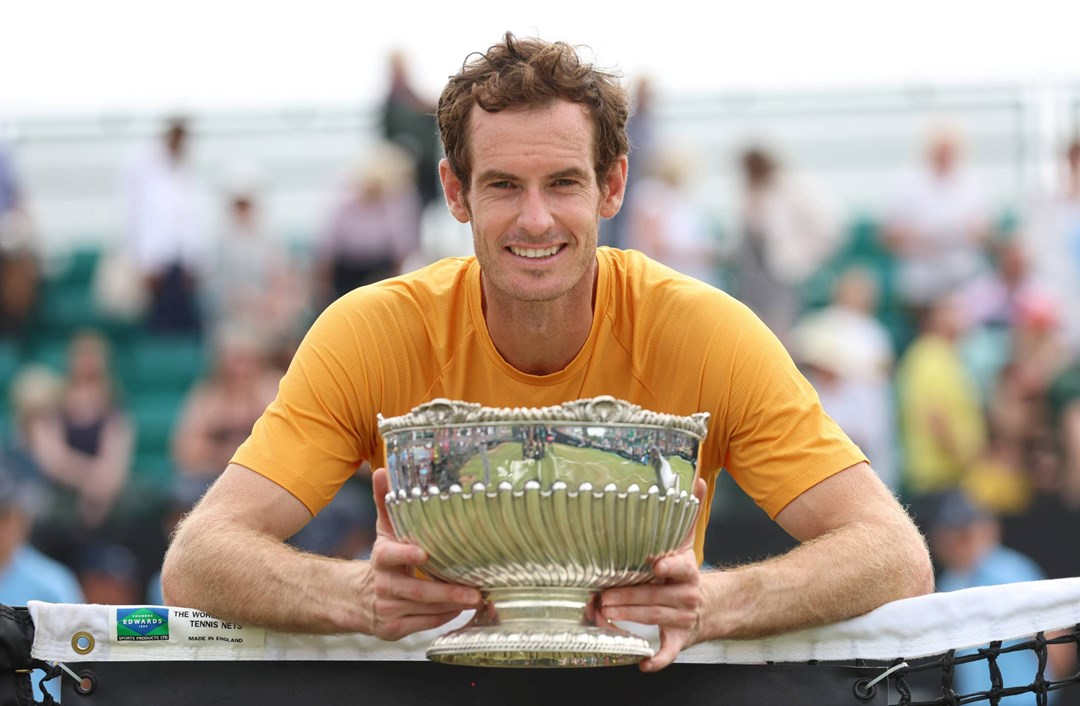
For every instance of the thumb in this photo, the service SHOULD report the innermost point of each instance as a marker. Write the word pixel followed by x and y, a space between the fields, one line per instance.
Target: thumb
pixel 700 488
pixel 380 486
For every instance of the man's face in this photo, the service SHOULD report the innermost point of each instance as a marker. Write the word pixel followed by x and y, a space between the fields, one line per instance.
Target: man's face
pixel 534 202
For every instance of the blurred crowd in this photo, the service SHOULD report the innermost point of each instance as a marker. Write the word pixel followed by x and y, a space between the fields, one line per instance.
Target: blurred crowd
pixel 944 338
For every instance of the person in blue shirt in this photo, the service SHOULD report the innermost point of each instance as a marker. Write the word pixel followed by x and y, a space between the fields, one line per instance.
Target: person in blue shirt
pixel 25 573
pixel 966 543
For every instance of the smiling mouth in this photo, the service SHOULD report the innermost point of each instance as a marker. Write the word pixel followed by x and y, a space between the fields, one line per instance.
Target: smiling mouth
pixel 535 253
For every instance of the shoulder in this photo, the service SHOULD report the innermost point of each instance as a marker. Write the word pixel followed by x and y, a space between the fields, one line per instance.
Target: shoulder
pixel 1005 565
pixel 670 316
pixel 413 298
pixel 639 280
pixel 382 326
pixel 445 278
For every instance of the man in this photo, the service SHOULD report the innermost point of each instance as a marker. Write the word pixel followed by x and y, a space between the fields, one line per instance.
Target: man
pixel 163 198
pixel 536 156
pixel 25 573
pixel 938 222
pixel 967 544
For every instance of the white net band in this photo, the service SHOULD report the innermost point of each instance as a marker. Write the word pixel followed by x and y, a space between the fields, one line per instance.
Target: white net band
pixel 916 627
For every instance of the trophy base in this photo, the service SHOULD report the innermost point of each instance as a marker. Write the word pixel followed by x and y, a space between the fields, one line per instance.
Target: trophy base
pixel 533 627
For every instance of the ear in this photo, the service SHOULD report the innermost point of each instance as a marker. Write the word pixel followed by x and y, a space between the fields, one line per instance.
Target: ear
pixel 613 188
pixel 454 191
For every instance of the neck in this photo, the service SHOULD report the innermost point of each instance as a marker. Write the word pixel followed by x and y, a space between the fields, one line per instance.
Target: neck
pixel 540 337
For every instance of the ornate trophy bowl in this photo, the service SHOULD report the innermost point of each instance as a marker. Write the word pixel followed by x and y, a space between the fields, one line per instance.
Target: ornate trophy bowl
pixel 541 509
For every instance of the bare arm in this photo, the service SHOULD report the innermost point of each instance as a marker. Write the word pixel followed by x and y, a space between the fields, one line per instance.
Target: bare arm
pixel 113 462
pixel 192 448
pixel 229 558
pixel 57 460
pixel 859 551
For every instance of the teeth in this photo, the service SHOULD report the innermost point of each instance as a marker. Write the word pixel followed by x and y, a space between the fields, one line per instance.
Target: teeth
pixel 533 252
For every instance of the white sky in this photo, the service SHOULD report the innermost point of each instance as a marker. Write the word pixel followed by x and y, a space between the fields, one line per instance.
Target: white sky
pixel 59 56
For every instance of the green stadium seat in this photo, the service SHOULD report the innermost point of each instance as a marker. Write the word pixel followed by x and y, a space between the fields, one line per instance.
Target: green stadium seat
pixel 153 469
pixel 49 350
pixel 76 269
pixel 164 364
pixel 62 310
pixel 154 415
pixel 10 361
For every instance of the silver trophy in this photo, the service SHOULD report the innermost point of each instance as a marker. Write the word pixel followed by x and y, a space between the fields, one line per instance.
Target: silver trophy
pixel 541 508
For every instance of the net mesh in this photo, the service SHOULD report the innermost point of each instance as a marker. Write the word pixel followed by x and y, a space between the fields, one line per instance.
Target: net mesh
pixel 914 683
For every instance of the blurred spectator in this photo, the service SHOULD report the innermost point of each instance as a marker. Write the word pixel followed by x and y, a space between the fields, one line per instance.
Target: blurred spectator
pixel 1038 354
pixel 409 121
pixel 941 415
pixel 168 241
pixel 25 573
pixel 966 542
pixel 19 272
pixel 641 129
pixel 937 223
pixel 1053 244
pixel 1070 442
pixel 992 299
pixel 82 440
pixel 989 306
pixel 85 446
pixel 250 280
pixel 221 409
pixel 998 479
pixel 790 226
pixel 641 126
pixel 663 220
pixel 108 574
pixel 34 396
pixel 848 357
pixel 374 227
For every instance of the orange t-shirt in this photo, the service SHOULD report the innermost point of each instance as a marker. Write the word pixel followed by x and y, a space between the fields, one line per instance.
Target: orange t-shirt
pixel 659 339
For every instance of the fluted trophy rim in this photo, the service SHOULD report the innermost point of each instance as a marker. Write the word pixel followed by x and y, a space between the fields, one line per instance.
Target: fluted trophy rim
pixel 601 410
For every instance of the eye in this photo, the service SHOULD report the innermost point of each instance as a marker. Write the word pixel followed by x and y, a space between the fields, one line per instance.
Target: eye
pixel 504 184
pixel 566 181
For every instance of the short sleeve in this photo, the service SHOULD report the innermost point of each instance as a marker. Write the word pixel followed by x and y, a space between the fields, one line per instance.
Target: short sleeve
pixel 780 442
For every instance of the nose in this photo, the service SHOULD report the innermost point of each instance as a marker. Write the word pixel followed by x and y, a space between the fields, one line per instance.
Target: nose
pixel 535 216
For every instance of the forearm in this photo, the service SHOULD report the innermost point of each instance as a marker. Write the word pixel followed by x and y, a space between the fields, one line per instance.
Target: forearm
pixel 112 466
pixel 194 452
pixel 844 573
pixel 240 574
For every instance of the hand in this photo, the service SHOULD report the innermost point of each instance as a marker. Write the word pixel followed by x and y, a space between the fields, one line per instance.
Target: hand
pixel 400 603
pixel 672 601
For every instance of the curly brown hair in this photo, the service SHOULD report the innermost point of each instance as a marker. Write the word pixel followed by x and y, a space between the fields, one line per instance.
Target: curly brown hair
pixel 531 73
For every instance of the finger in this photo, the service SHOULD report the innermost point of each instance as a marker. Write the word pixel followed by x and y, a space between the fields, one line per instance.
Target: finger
pixel 404 609
pixel 380 486
pixel 700 489
pixel 680 568
pixel 665 616
pixel 671 643
pixel 397 628
pixel 390 554
pixel 681 596
pixel 413 590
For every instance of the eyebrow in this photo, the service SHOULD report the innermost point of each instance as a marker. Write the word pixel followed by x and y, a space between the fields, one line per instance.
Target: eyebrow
pixel 491 175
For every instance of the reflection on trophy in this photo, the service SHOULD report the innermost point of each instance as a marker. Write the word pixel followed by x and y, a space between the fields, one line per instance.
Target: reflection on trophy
pixel 541 508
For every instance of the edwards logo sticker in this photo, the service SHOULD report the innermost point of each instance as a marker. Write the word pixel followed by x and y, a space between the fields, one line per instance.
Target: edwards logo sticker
pixel 138 624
